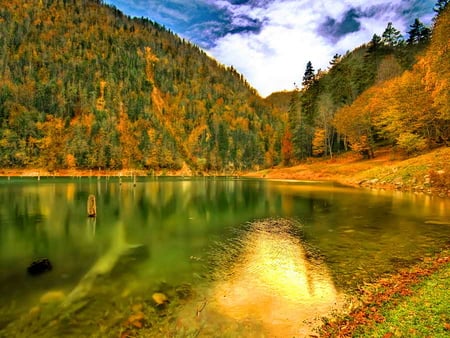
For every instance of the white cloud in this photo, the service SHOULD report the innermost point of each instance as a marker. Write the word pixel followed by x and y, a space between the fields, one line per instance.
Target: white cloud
pixel 272 40
pixel 275 57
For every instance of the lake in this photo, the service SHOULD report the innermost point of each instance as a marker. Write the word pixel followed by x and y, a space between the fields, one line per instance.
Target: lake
pixel 209 257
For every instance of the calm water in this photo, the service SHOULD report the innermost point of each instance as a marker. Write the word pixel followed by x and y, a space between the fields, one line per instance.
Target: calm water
pixel 233 256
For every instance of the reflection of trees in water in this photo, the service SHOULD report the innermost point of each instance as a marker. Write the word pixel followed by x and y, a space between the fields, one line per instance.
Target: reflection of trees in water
pixel 161 200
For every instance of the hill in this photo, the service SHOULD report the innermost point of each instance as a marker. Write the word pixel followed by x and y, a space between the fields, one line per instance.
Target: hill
pixel 84 86
pixel 390 91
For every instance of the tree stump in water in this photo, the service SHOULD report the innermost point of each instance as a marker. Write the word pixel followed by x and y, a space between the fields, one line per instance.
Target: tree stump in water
pixel 91 207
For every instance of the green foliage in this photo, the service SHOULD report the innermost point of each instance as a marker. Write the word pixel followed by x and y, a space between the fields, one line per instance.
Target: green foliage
pixel 418 33
pixel 127 93
pixel 384 91
pixel 411 143
pixel 309 76
pixel 440 6
pixel 391 36
pixel 424 314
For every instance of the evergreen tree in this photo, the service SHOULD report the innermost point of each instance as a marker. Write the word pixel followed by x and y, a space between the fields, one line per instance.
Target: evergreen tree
pixel 374 44
pixel 309 75
pixel 307 112
pixel 440 6
pixel 336 59
pixel 418 33
pixel 391 36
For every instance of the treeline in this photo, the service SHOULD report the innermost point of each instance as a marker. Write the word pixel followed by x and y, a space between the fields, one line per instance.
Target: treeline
pixel 391 91
pixel 84 86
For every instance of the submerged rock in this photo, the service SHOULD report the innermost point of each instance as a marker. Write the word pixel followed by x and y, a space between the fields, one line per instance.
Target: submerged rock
pixel 160 298
pixel 53 296
pixel 39 266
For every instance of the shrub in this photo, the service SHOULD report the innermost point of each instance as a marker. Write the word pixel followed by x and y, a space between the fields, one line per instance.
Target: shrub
pixel 411 143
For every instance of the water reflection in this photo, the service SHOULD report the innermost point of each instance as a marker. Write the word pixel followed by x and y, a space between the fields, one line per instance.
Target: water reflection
pixel 275 283
pixel 269 279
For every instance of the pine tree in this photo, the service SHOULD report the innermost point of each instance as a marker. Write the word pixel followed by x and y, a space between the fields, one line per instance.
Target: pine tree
pixel 418 33
pixel 374 44
pixel 309 76
pixel 391 36
pixel 440 6
pixel 336 59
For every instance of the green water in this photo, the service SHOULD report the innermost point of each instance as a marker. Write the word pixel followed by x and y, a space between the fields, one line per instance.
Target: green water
pixel 165 235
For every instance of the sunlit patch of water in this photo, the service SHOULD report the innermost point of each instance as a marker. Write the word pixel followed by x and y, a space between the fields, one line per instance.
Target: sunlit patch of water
pixel 273 286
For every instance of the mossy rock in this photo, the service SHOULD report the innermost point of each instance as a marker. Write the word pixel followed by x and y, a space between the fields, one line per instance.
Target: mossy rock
pixel 160 298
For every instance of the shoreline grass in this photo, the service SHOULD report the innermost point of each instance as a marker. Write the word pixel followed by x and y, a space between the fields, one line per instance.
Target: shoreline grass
pixel 425 313
pixel 411 303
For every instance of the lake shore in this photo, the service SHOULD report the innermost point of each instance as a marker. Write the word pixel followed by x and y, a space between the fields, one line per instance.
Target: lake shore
pixel 406 303
pixel 347 169
pixel 427 173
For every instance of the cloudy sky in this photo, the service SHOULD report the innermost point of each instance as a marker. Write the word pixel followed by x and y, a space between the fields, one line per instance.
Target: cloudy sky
pixel 270 41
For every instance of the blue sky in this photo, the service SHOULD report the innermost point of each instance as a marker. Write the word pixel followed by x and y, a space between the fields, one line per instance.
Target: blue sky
pixel 270 41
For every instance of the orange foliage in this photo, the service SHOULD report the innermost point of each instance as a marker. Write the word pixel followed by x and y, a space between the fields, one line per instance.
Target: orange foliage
pixel 287 147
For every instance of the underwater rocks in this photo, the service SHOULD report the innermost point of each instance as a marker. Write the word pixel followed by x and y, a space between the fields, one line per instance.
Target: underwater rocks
pixel 53 296
pixel 160 298
pixel 39 266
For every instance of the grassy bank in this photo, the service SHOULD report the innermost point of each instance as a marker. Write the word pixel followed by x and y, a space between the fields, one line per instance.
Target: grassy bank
pixel 423 314
pixel 412 303
pixel 428 173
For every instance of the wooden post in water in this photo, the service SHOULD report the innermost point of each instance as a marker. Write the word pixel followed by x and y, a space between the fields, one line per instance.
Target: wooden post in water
pixel 91 206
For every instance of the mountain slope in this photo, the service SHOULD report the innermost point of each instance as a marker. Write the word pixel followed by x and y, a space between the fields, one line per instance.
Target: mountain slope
pixel 83 86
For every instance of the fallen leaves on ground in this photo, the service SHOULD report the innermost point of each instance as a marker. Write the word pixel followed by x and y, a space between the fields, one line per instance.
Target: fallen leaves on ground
pixel 135 321
pixel 374 295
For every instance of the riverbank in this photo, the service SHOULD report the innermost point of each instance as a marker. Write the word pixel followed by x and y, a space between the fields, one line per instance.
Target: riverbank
pixel 427 173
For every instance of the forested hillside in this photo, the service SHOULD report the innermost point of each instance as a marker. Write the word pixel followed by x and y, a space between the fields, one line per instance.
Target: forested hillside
pixel 392 91
pixel 84 86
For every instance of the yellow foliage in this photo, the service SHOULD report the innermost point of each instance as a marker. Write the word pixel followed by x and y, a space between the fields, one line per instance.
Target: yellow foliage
pixel 434 67
pixel 150 59
pixel 71 162
pixel 319 145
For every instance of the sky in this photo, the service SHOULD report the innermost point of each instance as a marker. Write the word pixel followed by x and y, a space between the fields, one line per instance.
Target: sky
pixel 271 41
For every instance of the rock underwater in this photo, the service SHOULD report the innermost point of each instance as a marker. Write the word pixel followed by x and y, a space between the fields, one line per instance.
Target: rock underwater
pixel 39 266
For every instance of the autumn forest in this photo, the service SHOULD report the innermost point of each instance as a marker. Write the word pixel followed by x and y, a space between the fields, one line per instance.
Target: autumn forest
pixel 84 86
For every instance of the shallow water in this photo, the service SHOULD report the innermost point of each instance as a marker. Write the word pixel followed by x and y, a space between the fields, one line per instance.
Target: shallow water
pixel 190 239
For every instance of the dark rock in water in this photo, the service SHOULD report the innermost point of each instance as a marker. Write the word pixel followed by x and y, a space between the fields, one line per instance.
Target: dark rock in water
pixel 39 266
